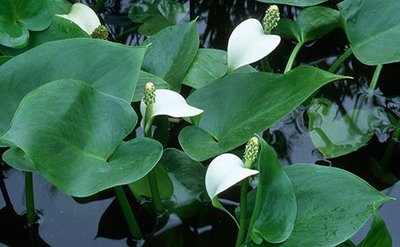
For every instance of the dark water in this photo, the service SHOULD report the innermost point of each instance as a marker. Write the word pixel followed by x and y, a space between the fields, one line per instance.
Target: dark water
pixel 98 221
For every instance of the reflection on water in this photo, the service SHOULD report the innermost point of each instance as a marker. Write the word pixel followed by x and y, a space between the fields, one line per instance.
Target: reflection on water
pixel 98 221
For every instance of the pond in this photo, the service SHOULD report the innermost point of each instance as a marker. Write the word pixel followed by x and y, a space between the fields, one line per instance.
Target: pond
pixel 97 220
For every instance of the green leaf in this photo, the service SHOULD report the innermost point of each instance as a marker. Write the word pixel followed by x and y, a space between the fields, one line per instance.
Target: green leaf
pixel 332 205
pixel 187 177
pixel 170 60
pixel 164 183
pixel 312 23
pixel 335 136
pixel 73 133
pixel 61 7
pixel 4 59
pixel 378 234
pixel 347 243
pixel 372 42
pixel 144 78
pixel 275 208
pixel 96 62
pixel 241 104
pixel 59 29
pixel 19 16
pixel 300 3
pixel 209 65
pixel 156 15
pixel 16 158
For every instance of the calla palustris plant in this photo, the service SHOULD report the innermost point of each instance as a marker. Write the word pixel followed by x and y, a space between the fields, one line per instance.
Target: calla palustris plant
pixel 72 121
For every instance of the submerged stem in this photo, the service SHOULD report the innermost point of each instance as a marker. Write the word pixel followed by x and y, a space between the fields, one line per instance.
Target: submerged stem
pixel 243 212
pixel 292 57
pixel 335 66
pixel 30 201
pixel 375 78
pixel 126 209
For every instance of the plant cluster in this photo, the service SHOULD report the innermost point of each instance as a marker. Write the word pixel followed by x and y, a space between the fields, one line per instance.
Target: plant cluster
pixel 89 114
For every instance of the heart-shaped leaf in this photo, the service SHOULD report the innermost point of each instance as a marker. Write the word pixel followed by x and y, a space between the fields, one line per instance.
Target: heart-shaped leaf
pixel 372 42
pixel 4 59
pixel 60 28
pixel 300 3
pixel 97 62
pixel 248 43
pixel 311 23
pixel 156 14
pixel 335 136
pixel 378 234
pixel 73 133
pixel 275 207
pixel 241 104
pixel 170 60
pixel 332 205
pixel 19 16
pixel 209 65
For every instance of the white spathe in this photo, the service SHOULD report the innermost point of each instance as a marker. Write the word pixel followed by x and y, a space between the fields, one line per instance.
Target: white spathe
pixel 171 104
pixel 225 171
pixel 84 17
pixel 248 44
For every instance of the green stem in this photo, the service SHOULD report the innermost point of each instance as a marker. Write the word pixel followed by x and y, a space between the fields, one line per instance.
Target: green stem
pixel 292 57
pixel 375 78
pixel 243 212
pixel 126 209
pixel 335 66
pixel 30 201
pixel 155 193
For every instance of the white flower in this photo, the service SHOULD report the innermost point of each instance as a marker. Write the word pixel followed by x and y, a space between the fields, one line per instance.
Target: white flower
pixel 169 103
pixel 84 17
pixel 248 44
pixel 225 171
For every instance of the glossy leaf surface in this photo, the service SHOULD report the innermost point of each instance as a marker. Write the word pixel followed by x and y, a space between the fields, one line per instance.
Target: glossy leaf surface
pixel 17 17
pixel 378 234
pixel 83 59
pixel 336 136
pixel 301 3
pixel 209 65
pixel 332 205
pixel 241 104
pixel 275 208
pixel 156 14
pixel 73 133
pixel 170 60
pixel 372 42
pixel 312 23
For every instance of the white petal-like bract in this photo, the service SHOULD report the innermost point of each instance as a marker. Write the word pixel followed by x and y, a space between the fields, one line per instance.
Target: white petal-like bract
pixel 225 171
pixel 248 44
pixel 84 17
pixel 171 104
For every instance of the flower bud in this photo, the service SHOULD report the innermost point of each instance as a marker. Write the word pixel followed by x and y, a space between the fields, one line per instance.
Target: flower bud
pixel 100 32
pixel 149 94
pixel 271 18
pixel 251 150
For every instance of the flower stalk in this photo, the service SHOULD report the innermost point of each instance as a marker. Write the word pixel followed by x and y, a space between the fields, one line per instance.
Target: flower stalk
pixel 250 155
